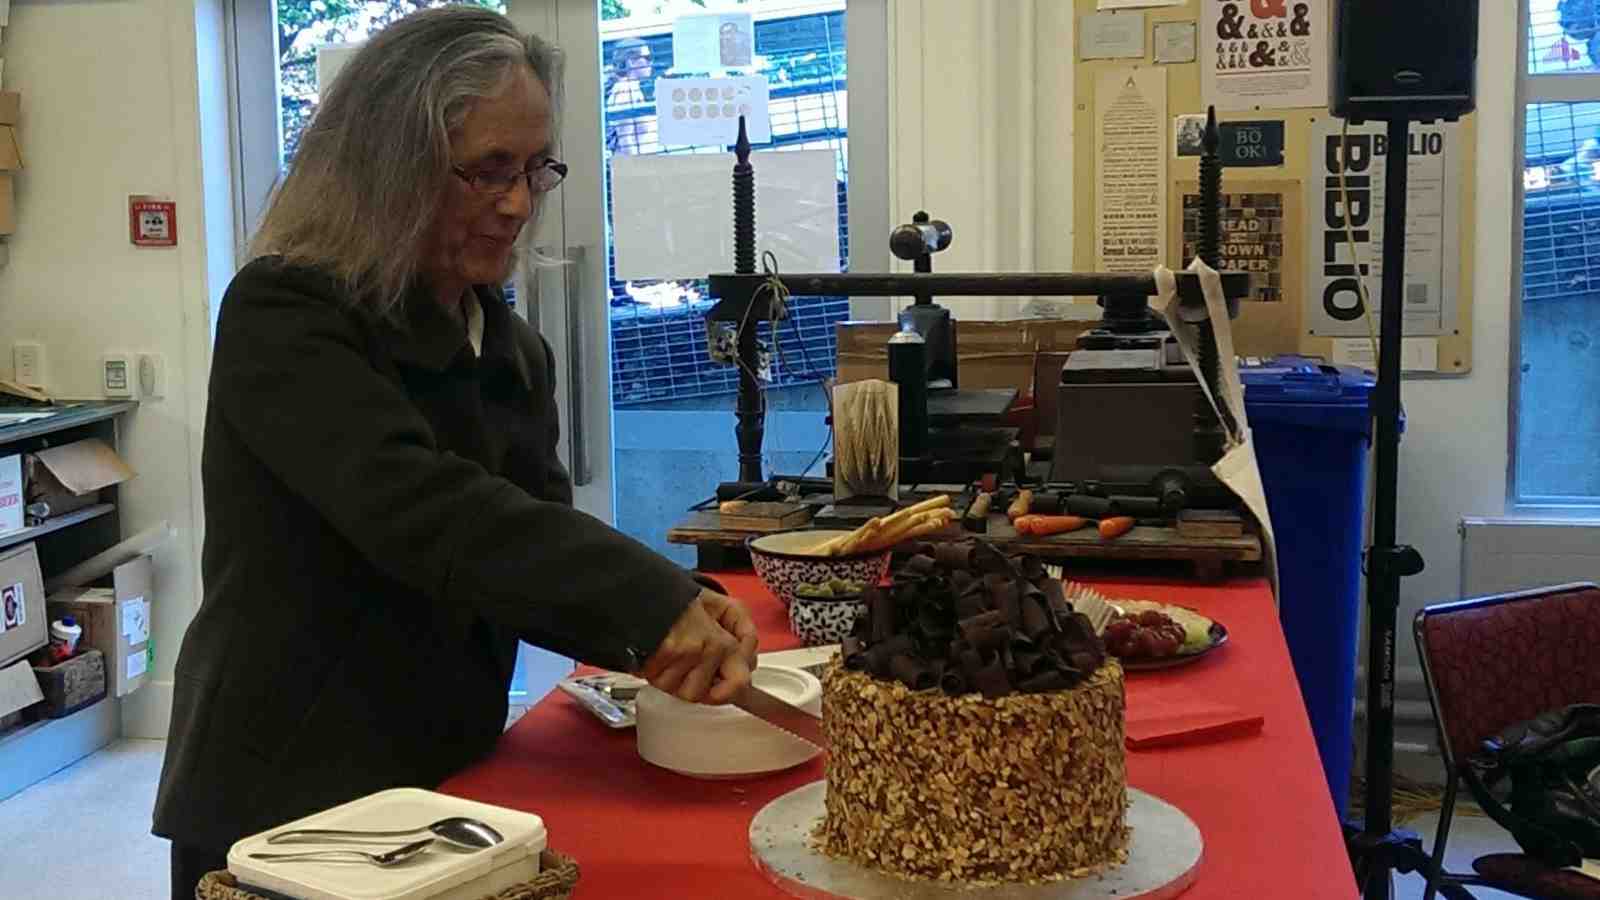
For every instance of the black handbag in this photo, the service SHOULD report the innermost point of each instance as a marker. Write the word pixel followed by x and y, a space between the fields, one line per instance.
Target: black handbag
pixel 1552 763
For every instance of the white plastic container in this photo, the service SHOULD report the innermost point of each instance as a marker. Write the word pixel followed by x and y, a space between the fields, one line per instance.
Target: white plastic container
pixel 65 633
pixel 724 741
pixel 440 873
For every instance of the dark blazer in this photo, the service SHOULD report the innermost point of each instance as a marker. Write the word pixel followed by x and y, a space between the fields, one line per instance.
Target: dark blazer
pixel 385 517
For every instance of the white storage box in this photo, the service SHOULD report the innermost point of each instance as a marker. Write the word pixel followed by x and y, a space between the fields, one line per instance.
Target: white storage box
pixel 440 873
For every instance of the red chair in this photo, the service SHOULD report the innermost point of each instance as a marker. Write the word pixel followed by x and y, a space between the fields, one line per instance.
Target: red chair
pixel 1490 663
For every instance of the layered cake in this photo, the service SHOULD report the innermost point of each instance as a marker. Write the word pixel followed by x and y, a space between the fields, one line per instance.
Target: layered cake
pixel 975 728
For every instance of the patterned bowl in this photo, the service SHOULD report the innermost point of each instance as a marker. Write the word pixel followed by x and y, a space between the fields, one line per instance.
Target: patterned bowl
pixel 784 562
pixel 817 621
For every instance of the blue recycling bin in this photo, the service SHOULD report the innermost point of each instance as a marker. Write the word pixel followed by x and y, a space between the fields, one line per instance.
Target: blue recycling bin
pixel 1312 427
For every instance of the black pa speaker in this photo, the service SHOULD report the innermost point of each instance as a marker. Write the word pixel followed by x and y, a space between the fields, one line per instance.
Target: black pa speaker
pixel 1412 59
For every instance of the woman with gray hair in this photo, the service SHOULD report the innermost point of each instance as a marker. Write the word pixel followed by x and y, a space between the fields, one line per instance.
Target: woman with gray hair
pixel 385 511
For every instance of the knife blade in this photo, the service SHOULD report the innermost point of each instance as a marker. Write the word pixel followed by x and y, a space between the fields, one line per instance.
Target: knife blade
pixel 783 715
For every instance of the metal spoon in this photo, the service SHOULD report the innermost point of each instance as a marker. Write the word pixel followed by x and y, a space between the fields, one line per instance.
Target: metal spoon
pixel 388 858
pixel 469 834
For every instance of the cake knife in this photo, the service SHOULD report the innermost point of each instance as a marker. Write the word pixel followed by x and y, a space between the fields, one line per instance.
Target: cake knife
pixel 783 715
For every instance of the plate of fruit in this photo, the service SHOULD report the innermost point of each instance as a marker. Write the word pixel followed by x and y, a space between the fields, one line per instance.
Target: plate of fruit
pixel 1145 635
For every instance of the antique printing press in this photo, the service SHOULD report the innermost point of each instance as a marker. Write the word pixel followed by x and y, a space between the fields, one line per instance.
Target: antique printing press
pixel 1159 448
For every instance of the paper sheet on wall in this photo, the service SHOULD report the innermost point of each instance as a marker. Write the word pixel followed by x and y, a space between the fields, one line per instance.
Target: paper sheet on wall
pixel 707 42
pixel 1238 467
pixel 135 614
pixel 1130 114
pixel 1111 36
pixel 137 663
pixel 702 111
pixel 1175 42
pixel 1267 53
pixel 672 215
pixel 1433 255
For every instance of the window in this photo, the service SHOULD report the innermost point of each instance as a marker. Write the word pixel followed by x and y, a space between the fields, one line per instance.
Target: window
pixel 305 25
pixel 658 330
pixel 1556 419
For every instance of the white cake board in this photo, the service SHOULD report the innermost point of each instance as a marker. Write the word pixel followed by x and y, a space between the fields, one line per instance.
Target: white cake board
pixel 1163 859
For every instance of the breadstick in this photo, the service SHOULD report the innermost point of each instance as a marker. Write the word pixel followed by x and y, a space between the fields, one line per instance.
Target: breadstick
pixel 856 539
pixel 1019 506
pixel 940 502
pixel 889 537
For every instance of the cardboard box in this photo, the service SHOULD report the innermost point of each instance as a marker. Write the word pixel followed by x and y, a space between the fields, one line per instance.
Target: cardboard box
pixel 8 206
pixel 10 149
pixel 18 689
pixel 72 684
pixel 71 476
pixel 116 621
pixel 11 494
pixel 22 607
pixel 988 354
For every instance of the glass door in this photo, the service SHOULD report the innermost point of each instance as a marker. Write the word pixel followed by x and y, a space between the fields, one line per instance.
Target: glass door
pixel 648 413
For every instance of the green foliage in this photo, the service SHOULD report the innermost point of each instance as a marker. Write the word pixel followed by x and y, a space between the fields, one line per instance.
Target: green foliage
pixel 329 21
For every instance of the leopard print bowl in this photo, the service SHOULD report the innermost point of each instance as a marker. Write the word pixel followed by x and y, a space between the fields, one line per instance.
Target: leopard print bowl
pixel 784 562
pixel 818 621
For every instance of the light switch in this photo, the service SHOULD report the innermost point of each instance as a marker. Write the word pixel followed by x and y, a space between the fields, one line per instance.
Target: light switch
pixel 27 361
pixel 152 375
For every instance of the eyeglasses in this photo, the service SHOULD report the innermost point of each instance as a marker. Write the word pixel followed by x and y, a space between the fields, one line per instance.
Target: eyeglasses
pixel 542 178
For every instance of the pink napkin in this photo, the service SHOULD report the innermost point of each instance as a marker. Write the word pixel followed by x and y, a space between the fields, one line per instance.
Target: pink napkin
pixel 1174 723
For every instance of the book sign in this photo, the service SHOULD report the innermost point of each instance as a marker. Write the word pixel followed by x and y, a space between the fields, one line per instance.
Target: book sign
pixel 1345 239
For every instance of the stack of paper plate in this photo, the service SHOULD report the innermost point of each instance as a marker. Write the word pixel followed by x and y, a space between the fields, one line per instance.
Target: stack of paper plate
pixel 439 873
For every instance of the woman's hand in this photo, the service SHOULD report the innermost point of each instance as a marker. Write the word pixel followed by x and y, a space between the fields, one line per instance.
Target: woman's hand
pixel 708 654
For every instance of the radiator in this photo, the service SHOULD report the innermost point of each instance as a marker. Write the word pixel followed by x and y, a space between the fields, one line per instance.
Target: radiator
pixel 1500 555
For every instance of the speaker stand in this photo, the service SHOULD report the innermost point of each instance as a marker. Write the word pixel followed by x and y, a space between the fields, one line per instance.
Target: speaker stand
pixel 1376 848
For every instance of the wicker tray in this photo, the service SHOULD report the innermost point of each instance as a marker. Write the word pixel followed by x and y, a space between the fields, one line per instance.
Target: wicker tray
pixel 558 875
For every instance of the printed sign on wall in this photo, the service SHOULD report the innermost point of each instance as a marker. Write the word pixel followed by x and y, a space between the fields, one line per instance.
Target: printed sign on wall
pixel 1433 252
pixel 1263 53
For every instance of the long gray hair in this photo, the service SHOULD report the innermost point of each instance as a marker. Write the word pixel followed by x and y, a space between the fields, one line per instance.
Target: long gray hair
pixel 374 162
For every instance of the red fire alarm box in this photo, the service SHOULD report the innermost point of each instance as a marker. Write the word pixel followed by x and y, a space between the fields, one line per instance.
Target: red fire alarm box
pixel 152 223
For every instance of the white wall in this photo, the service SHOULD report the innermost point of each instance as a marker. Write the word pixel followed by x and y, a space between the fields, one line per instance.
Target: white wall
pixel 1453 455
pixel 112 106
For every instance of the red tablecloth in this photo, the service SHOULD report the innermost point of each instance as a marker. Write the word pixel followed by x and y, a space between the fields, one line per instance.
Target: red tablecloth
pixel 637 831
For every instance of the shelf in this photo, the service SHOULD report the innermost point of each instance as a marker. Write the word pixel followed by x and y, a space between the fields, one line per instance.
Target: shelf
pixel 62 417
pixel 34 752
pixel 76 517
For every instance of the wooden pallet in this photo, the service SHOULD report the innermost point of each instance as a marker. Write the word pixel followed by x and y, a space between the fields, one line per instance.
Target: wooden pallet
pixel 1208 555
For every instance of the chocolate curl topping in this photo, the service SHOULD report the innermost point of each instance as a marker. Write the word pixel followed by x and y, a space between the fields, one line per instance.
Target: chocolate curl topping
pixel 1036 622
pixel 957 557
pixel 880 612
pixel 992 680
pixel 917 674
pixel 1049 680
pixel 964 617
pixel 961 581
pixel 952 682
pixel 987 633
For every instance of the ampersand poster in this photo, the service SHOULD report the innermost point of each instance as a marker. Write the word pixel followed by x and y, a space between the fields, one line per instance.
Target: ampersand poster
pixel 1269 54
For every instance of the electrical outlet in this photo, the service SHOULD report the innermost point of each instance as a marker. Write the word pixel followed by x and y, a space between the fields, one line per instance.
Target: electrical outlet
pixel 152 375
pixel 117 376
pixel 27 362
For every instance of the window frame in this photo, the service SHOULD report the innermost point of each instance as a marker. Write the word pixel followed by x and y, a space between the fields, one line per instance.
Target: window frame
pixel 1532 89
